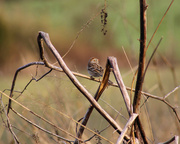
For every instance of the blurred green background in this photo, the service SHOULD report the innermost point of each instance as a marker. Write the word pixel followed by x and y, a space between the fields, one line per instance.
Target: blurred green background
pixel 20 22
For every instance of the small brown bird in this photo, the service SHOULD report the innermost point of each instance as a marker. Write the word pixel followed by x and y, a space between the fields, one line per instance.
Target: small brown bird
pixel 94 68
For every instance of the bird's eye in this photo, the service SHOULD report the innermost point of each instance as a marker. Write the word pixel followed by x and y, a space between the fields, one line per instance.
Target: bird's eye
pixel 94 60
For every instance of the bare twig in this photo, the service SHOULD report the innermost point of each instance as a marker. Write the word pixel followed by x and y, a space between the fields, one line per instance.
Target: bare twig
pixel 176 88
pixel 50 123
pixel 127 60
pixel 173 74
pixel 139 83
pixel 65 115
pixel 101 130
pixel 100 90
pixel 14 80
pixel 83 76
pixel 9 124
pixel 37 126
pixel 166 102
pixel 151 58
pixel 127 126
pixel 33 78
pixel 114 109
pixel 159 24
pixel 78 34
pixel 114 66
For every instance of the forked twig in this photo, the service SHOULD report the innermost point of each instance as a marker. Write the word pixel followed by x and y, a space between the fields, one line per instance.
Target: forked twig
pixel 143 49
pixel 166 102
pixel 14 80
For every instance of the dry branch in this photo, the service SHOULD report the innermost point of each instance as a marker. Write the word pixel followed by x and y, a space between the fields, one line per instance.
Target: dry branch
pixel 9 124
pixel 159 24
pixel 142 55
pixel 127 126
pixel 37 126
pixel 139 132
pixel 117 74
pixel 148 95
pixel 50 123
pixel 111 63
pixel 74 80
pixel 14 80
pixel 100 90
pixel 35 114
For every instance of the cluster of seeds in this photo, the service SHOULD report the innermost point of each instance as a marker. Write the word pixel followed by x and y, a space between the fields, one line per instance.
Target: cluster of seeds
pixel 104 16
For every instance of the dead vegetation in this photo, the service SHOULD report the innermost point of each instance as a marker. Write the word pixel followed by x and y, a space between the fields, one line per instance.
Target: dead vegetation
pixel 44 127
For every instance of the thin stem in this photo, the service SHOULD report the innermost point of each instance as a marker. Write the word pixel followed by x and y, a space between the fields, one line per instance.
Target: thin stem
pixel 14 80
pixel 139 131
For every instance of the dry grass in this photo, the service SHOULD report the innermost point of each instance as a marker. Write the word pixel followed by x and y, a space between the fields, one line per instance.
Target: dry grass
pixel 54 96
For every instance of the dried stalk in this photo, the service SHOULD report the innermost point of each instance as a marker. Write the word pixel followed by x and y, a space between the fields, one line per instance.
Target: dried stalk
pixel 139 132
pixel 159 24
pixel 127 126
pixel 139 82
pixel 40 128
pixel 74 80
pixel 111 63
pixel 151 58
pixel 35 114
pixel 14 80
pixel 9 124
pixel 100 90
pixel 50 123
pixel 114 66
